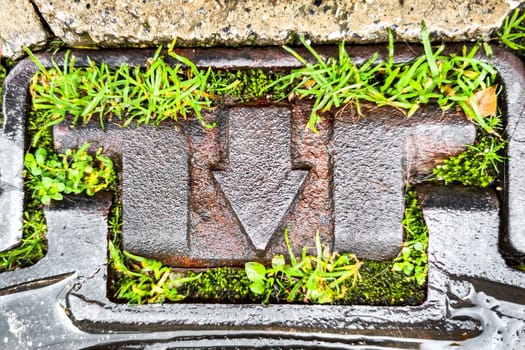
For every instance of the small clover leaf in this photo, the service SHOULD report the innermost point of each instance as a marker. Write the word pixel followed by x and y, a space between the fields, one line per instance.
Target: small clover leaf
pixel 51 175
pixel 41 155
pixel 255 271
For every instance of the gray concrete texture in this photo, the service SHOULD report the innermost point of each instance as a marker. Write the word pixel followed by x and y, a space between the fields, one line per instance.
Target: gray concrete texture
pixel 140 23
pixel 20 27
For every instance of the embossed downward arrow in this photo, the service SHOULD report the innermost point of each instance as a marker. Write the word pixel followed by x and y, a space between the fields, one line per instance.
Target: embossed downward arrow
pixel 260 183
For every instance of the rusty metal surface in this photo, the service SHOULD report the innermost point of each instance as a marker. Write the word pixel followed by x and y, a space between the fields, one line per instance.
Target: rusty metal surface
pixel 76 292
pixel 236 208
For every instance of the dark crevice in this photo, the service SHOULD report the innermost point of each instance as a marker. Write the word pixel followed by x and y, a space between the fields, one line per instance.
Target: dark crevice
pixel 47 27
pixel 38 283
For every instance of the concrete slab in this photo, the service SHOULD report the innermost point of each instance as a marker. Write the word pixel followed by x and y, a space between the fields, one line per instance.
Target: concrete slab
pixel 126 23
pixel 20 27
pixel 140 23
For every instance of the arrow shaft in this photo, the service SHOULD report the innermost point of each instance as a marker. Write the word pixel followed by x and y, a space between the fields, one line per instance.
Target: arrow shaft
pixel 259 182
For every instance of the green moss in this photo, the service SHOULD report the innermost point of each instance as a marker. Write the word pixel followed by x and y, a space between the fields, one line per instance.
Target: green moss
pixel 33 245
pixel 379 285
pixel 141 281
pixel 219 285
pixel 5 66
pixel 478 165
pixel 3 74
pixel 37 124
pixel 245 85
pixel 413 261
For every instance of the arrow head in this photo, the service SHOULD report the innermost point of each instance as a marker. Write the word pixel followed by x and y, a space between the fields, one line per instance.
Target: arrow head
pixel 259 182
pixel 260 207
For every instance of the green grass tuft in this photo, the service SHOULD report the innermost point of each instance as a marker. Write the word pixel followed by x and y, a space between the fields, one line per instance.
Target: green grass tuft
pixel 512 34
pixel 132 95
pixel 33 246
pixel 448 81
pixel 50 175
pixel 160 92
pixel 322 278
pixel 413 259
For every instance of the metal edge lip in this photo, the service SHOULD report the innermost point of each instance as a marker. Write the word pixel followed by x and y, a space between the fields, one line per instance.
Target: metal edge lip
pixel 138 57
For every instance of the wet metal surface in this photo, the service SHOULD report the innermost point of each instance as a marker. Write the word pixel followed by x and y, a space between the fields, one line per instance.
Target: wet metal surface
pixel 257 166
pixel 82 316
pixel 513 72
pixel 474 300
pixel 472 251
pixel 258 179
pixel 155 176
pixel 373 158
